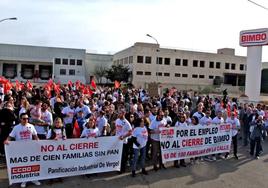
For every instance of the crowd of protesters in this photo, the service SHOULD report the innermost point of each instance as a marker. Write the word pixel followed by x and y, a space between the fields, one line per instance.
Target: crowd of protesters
pixel 67 112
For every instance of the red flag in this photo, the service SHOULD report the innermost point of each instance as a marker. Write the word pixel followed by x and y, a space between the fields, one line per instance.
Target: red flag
pixel 70 83
pixel 116 84
pixel 18 85
pixel 3 80
pixel 235 111
pixel 228 110
pixel 50 82
pixel 77 84
pixel 93 84
pixel 7 87
pixel 29 85
pixel 57 88
pixel 76 130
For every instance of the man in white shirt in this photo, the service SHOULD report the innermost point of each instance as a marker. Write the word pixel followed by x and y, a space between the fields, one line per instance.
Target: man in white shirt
pixel 154 129
pixel 46 116
pixel 123 131
pixel 68 113
pixel 206 120
pixel 235 125
pixel 84 108
pixel 102 123
pixel 217 121
pixel 23 132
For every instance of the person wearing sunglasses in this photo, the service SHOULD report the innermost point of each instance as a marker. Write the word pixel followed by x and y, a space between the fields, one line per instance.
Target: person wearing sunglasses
pixel 23 132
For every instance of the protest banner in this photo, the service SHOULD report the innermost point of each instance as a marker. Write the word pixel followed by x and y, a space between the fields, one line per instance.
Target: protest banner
pixel 193 141
pixel 47 159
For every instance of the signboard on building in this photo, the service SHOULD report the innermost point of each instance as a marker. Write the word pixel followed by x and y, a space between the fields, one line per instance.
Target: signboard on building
pixel 256 37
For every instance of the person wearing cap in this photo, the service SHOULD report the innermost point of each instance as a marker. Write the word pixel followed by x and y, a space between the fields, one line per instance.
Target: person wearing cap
pixel 123 131
pixel 23 132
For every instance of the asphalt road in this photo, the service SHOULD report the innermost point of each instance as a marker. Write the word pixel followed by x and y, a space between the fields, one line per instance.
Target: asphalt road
pixel 231 173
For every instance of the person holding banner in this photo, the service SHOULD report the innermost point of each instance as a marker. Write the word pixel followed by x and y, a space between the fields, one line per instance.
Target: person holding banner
pixel 123 130
pixel 140 138
pixel 235 125
pixel 206 120
pixel 181 123
pixel 217 120
pixel 23 132
pixel 154 128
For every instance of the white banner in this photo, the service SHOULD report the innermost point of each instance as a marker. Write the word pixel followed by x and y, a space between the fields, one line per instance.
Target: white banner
pixel 193 141
pixel 47 159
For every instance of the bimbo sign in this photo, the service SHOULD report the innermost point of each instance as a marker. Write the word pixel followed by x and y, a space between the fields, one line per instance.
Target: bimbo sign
pixel 256 37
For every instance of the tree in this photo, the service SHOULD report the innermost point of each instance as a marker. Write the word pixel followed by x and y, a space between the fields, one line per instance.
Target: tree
pixel 119 73
pixel 100 72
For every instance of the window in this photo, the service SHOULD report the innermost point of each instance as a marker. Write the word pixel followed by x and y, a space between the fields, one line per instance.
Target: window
pixel 139 73
pixel 195 63
pixel 130 58
pixel 194 76
pixel 65 61
pixel 62 71
pixel 159 74
pixel 178 62
pixel 79 62
pixel 185 62
pixel 202 63
pixel 125 60
pixel 140 59
pixel 71 72
pixel 160 60
pixel 210 77
pixel 177 75
pixel 147 73
pixel 148 60
pixel 167 61
pixel 121 61
pixel 227 65
pixel 241 67
pixel 58 61
pixel 218 65
pixel 201 76
pixel 184 75
pixel 72 61
pixel 233 66
pixel 211 64
pixel 166 74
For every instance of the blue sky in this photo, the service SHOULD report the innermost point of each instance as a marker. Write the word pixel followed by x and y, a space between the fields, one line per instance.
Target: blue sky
pixel 108 26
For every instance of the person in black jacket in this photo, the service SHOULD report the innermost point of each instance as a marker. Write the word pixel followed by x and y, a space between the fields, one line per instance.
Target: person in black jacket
pixel 7 120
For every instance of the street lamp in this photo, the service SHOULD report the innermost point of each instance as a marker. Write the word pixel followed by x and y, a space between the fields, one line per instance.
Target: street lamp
pixel 157 50
pixel 14 18
pixel 157 60
pixel 257 4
